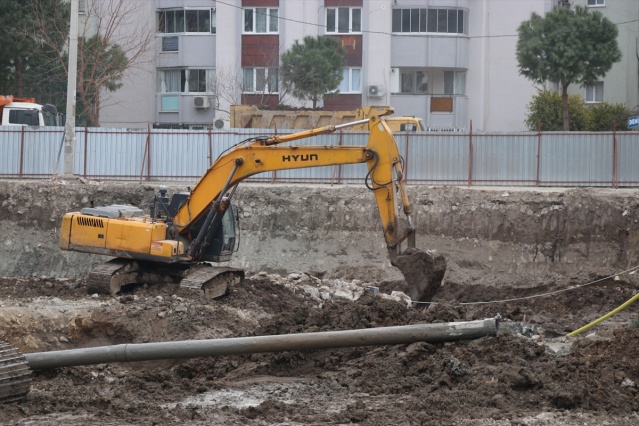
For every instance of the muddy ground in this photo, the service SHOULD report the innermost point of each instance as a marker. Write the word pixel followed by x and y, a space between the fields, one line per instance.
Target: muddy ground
pixel 563 257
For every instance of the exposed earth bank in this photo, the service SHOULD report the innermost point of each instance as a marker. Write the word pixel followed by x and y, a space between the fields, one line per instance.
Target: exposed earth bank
pixel 548 261
pixel 519 236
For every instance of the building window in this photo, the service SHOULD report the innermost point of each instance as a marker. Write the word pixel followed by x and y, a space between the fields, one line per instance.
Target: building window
pixel 351 80
pixel 260 80
pixel 343 20
pixel 170 44
pixel 594 92
pixel 82 7
pixel 186 81
pixel 454 82
pixel 447 21
pixel 408 81
pixel 169 103
pixel 261 20
pixel 187 21
pixel 596 3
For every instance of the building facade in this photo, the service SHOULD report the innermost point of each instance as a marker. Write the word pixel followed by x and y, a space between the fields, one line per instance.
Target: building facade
pixel 621 83
pixel 450 62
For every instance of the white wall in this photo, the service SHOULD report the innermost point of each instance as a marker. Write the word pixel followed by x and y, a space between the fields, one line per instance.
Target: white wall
pixel 133 105
pixel 498 94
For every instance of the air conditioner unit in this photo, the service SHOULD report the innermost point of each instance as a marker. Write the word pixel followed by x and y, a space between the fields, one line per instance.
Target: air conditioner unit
pixel 219 124
pixel 201 102
pixel 375 90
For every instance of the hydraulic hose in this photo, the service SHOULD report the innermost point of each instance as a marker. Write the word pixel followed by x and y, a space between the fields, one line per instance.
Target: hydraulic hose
pixel 605 317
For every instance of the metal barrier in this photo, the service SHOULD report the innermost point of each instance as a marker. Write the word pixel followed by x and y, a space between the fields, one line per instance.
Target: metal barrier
pixel 605 159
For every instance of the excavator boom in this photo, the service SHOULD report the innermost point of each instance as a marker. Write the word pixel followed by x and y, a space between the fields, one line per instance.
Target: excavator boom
pixel 264 154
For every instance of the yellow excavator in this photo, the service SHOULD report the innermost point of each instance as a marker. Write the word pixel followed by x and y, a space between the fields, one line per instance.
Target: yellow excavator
pixel 181 236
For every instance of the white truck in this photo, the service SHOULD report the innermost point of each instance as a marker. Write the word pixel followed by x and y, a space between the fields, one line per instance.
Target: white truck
pixel 26 112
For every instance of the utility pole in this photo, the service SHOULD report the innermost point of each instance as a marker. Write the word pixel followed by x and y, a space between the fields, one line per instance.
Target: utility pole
pixel 69 127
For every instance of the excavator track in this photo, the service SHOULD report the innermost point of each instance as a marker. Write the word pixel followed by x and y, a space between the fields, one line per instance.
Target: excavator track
pixel 213 281
pixel 109 278
pixel 100 278
pixel 15 375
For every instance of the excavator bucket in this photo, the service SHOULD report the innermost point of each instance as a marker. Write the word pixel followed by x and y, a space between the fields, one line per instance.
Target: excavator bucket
pixel 423 272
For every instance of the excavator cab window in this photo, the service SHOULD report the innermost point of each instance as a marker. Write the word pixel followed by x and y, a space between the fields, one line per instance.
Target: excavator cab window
pixel 229 221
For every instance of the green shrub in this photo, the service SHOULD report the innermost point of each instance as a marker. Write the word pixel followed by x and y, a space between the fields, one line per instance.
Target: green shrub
pixel 545 109
pixel 605 117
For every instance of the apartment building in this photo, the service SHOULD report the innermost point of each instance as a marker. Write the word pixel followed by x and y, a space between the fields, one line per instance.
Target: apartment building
pixel 621 83
pixel 451 62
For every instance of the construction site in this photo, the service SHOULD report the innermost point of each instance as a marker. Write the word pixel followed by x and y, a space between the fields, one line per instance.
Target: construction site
pixel 539 262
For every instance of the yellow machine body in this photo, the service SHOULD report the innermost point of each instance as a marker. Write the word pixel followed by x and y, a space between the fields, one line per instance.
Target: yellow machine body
pixel 119 237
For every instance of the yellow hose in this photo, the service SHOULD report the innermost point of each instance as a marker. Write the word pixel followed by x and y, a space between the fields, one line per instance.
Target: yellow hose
pixel 608 315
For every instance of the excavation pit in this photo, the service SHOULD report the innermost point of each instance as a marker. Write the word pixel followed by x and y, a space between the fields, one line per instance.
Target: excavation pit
pixel 308 270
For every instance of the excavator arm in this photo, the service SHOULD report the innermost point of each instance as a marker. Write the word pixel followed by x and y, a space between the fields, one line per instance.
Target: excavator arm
pixel 385 178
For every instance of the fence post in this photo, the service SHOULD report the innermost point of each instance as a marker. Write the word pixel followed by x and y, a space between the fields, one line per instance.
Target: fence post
pixel 210 146
pixel 470 155
pixel 538 151
pixel 615 171
pixel 20 168
pixel 86 138
pixel 147 148
pixel 339 166
pixel 274 172
pixel 148 153
pixel 406 160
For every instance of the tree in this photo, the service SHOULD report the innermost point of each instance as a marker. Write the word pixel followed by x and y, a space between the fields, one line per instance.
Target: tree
pixel 545 112
pixel 12 45
pixel 27 66
pixel 102 67
pixel 105 49
pixel 312 68
pixel 566 47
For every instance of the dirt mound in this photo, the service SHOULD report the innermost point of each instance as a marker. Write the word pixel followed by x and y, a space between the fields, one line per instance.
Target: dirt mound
pixel 518 377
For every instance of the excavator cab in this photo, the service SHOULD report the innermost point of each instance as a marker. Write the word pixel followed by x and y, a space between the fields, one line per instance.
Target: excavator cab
pixel 222 241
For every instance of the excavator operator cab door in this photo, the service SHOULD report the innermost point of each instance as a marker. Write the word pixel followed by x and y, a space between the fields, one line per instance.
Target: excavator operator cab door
pixel 222 244
pixel 230 222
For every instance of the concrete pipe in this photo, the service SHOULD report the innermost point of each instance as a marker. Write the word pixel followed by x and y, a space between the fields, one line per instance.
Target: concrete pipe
pixel 15 368
pixel 441 332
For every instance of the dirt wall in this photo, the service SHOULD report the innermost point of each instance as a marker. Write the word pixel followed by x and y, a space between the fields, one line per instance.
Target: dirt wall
pixel 487 235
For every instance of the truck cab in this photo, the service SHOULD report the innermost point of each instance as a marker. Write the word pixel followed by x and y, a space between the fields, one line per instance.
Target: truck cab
pixel 405 124
pixel 26 112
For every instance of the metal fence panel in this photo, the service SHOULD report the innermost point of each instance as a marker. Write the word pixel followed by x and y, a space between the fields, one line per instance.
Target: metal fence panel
pixel 628 155
pixel 110 153
pixel 176 156
pixel 436 158
pixel 40 151
pixel 577 159
pixel 504 159
pixel 439 158
pixel 10 149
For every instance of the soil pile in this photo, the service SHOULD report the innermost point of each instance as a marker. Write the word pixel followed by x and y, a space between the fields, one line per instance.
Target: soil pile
pixel 525 375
